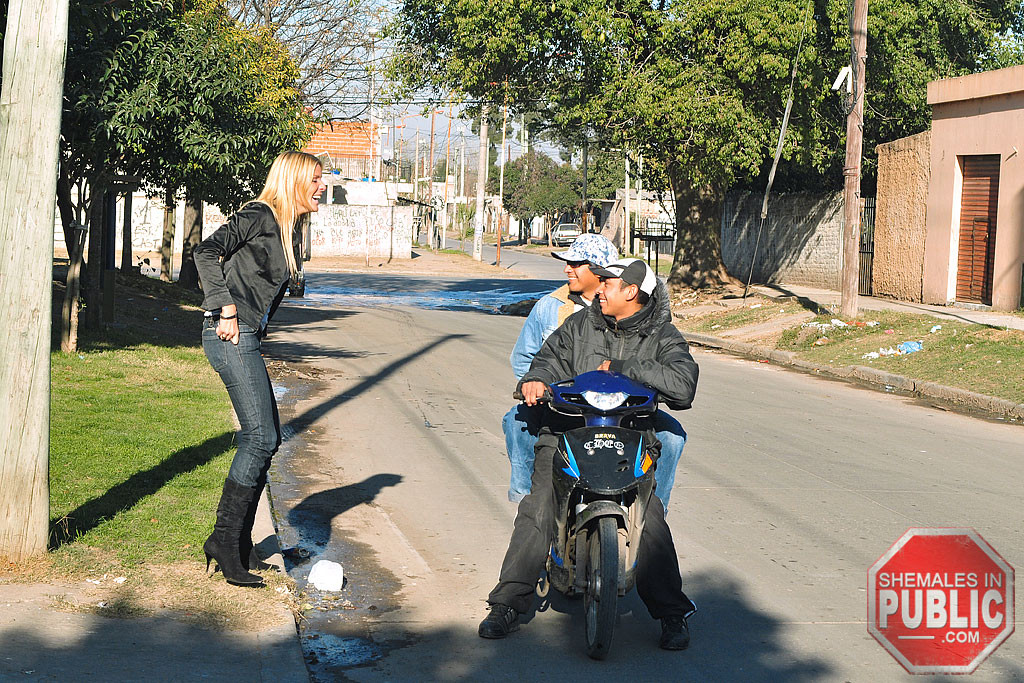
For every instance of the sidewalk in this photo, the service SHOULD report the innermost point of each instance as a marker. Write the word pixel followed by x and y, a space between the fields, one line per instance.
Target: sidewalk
pixel 888 381
pixel 40 642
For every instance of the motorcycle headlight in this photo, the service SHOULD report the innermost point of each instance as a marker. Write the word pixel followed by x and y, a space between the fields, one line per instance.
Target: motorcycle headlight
pixel 605 401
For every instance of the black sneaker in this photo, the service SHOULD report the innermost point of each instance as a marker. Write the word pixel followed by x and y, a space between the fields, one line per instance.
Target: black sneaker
pixel 499 623
pixel 675 634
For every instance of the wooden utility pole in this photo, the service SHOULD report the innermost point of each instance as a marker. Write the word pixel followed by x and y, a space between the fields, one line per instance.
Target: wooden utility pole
pixel 481 184
pixel 35 43
pixel 851 170
pixel 416 171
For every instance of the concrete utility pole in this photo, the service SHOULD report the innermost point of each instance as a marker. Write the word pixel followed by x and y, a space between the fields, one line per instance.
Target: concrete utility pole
pixel 447 164
pixel 585 227
pixel 851 171
pixel 430 184
pixel 501 179
pixel 625 219
pixel 35 43
pixel 481 184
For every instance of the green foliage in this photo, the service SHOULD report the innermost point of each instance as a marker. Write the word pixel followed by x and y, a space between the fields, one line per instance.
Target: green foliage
pixel 698 87
pixel 216 134
pixel 535 185
pixel 178 94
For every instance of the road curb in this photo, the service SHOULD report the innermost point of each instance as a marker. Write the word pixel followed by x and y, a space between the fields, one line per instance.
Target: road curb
pixel 960 397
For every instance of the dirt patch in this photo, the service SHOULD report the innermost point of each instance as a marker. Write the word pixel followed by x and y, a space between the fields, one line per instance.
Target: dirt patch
pixel 180 590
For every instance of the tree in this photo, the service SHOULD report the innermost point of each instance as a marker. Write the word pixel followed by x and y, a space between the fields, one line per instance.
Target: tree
pixel 33 63
pixel 538 186
pixel 332 42
pixel 216 135
pixel 698 87
pixel 177 94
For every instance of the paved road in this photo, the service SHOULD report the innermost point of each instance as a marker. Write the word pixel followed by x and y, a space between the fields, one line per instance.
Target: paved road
pixel 537 264
pixel 789 489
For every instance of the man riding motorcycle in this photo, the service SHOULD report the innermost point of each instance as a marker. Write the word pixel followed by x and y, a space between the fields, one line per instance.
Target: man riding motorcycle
pixel 629 332
pixel 521 423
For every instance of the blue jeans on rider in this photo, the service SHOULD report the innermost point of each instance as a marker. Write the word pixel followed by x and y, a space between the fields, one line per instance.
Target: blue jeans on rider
pixel 244 373
pixel 522 425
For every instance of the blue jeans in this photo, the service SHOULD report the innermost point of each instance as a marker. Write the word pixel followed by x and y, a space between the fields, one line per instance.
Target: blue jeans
pixel 522 425
pixel 244 373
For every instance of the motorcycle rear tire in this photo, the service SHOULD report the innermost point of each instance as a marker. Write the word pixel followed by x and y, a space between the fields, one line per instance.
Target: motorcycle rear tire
pixel 602 594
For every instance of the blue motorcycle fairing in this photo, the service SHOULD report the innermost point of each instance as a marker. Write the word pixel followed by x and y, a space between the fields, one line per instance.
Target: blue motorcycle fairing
pixel 604 458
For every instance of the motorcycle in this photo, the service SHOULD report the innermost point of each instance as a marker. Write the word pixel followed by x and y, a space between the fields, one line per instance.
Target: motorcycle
pixel 603 476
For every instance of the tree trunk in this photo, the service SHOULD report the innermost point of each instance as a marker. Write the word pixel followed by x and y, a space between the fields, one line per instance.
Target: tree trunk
pixel 67 210
pixel 69 313
pixel 167 243
pixel 698 256
pixel 126 233
pixel 94 262
pixel 32 79
pixel 189 276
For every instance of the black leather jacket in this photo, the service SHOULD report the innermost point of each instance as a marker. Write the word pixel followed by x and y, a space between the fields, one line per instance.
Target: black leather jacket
pixel 645 347
pixel 243 263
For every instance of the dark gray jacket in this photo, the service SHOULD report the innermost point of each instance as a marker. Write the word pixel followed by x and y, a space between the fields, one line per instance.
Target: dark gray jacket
pixel 243 263
pixel 645 347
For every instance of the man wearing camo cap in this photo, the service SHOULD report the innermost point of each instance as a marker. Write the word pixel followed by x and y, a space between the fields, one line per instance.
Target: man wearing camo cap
pixel 522 423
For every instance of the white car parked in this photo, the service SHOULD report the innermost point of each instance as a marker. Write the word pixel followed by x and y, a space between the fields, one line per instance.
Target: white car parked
pixel 565 234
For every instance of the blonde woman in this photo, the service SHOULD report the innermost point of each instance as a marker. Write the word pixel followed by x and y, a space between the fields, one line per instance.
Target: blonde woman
pixel 245 267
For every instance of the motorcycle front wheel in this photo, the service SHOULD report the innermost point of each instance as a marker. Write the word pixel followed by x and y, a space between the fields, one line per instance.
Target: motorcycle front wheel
pixel 602 586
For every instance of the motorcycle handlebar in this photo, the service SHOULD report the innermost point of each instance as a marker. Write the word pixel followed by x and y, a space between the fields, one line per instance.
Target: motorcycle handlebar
pixel 545 397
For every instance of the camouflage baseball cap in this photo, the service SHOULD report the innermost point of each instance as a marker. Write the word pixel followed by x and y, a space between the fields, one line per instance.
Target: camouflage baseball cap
pixel 595 249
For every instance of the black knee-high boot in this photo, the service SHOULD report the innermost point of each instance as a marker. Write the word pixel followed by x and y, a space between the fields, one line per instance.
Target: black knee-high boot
pixel 222 545
pixel 246 552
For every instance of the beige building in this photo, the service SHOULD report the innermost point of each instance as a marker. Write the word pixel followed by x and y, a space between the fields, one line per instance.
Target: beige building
pixel 974 241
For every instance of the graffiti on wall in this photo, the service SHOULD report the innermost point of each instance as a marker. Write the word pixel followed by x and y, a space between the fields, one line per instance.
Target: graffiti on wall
pixel 349 230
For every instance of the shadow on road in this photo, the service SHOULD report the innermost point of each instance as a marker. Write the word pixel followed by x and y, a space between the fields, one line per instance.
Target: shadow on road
pixel 732 640
pixel 313 516
pixel 311 415
pixel 312 320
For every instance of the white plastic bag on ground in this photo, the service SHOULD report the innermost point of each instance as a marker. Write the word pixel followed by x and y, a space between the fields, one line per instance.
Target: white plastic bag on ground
pixel 327 576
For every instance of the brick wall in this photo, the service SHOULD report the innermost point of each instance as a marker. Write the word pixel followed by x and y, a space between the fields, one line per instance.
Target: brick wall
pixel 354 147
pixel 801 243
pixel 904 172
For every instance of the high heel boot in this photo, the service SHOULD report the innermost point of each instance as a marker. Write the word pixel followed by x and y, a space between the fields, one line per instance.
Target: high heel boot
pixel 246 552
pixel 222 545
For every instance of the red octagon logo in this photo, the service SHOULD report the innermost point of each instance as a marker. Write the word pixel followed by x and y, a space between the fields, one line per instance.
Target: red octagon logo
pixel 940 600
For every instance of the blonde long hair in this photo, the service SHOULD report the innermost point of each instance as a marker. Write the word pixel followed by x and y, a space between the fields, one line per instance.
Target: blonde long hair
pixel 281 193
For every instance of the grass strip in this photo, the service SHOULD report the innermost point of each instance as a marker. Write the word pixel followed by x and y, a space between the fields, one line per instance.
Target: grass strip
pixel 979 358
pixel 959 354
pixel 140 432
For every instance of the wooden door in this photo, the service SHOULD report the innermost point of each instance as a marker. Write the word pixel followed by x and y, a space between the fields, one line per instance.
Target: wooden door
pixel 977 228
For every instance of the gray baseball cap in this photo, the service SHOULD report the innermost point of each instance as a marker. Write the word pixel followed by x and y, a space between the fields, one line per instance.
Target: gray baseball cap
pixel 633 271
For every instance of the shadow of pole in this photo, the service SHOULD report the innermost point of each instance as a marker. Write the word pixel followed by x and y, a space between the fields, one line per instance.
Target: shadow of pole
pixel 128 493
pixel 307 418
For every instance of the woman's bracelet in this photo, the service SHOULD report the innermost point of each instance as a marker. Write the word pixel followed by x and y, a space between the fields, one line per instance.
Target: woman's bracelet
pixel 229 317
